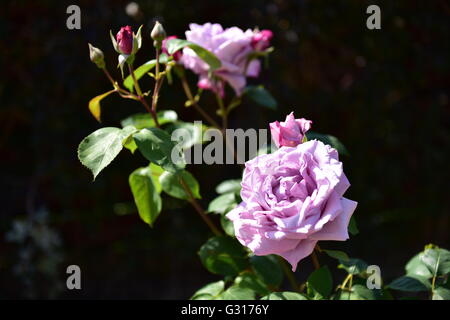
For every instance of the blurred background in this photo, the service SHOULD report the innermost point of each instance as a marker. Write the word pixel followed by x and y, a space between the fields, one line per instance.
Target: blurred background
pixel 383 93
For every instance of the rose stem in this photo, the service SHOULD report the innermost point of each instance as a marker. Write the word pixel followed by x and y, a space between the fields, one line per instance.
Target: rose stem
pixel 315 260
pixel 289 274
pixel 197 107
pixel 199 209
pixel 141 96
pixel 223 111
pixel 191 197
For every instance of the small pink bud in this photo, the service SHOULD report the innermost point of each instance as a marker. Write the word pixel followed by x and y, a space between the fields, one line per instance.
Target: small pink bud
pixel 176 55
pixel 261 39
pixel 125 40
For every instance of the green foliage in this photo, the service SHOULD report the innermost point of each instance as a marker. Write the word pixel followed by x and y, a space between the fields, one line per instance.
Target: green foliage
pixel 354 266
pixel 94 104
pixel 238 293
pixel 174 45
pixel 172 184
pixel 286 295
pixel 250 281
pixel 146 195
pixel 209 292
pixel 411 283
pixel 232 185
pixel 99 149
pixel 332 141
pixel 145 120
pixel 194 133
pixel 157 147
pixel 268 269
pixel 223 203
pixel 261 96
pixel 223 255
pixel 227 226
pixel 320 283
pixel 352 227
pixel 336 254
pixel 142 70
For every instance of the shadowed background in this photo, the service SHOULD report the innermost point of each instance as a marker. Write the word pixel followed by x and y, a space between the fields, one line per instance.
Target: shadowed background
pixel 383 93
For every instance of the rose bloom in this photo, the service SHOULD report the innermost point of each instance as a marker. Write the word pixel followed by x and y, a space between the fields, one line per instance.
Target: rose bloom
pixel 293 198
pixel 290 132
pixel 125 40
pixel 232 46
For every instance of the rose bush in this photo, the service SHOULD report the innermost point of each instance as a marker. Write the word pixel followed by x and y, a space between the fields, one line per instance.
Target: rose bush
pixel 285 203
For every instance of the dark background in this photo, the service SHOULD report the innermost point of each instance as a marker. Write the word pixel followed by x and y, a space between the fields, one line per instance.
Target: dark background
pixel 383 93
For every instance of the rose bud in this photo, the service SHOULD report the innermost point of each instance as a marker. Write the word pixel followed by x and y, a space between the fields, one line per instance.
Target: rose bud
pixel 125 40
pixel 261 39
pixel 176 55
pixel 291 132
pixel 96 56
pixel 158 34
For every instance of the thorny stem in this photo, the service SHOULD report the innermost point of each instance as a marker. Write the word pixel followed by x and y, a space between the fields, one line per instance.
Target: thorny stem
pixel 141 96
pixel 199 209
pixel 289 274
pixel 187 91
pixel 223 111
pixel 315 260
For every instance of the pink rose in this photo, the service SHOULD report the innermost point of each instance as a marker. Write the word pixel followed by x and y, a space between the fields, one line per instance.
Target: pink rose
pixel 290 132
pixel 125 40
pixel 176 55
pixel 293 198
pixel 232 46
pixel 261 40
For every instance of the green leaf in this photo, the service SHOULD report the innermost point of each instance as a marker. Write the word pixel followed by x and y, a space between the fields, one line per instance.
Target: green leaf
pixel 261 96
pixel 410 283
pixel 212 289
pixel 437 261
pixel 227 226
pixel 252 282
pixel 156 172
pixel 145 195
pixel 94 104
pixel 360 292
pixel 416 267
pixel 354 266
pixel 174 45
pixel 441 293
pixel 223 255
pixel 328 139
pixel 145 120
pixel 336 254
pixel 171 184
pixel 157 147
pixel 238 293
pixel 193 133
pixel 143 70
pixel 268 269
pixel 130 144
pixel 98 149
pixel 320 282
pixel 232 185
pixel 223 203
pixel 286 295
pixel 352 227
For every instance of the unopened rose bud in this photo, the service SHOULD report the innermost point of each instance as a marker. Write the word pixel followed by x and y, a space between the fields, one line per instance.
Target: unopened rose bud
pixel 176 55
pixel 158 34
pixel 96 56
pixel 125 40
pixel 261 39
